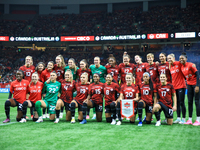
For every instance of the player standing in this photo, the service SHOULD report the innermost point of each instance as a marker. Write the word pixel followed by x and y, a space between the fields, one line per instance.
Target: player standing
pixel 72 66
pixel 40 67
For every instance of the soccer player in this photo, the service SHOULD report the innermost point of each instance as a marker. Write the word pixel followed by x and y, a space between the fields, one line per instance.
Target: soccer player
pixel 146 101
pixel 140 69
pixel 72 66
pixel 40 67
pixel 94 99
pixel 67 87
pixel 110 91
pixel 50 98
pixel 178 81
pixel 112 68
pixel 82 93
pixel 128 91
pixel 19 89
pixel 152 69
pixel 125 67
pixel 191 74
pixel 28 68
pixel 35 94
pixel 101 70
pixel 163 67
pixel 165 91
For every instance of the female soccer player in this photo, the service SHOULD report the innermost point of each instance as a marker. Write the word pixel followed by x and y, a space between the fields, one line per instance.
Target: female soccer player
pixel 67 87
pixel 45 75
pixel 50 98
pixel 163 67
pixel 125 67
pixel 146 101
pixel 35 94
pixel 191 74
pixel 72 66
pixel 101 70
pixel 112 68
pixel 152 68
pixel 94 99
pixel 165 91
pixel 178 81
pixel 110 91
pixel 19 89
pixel 28 68
pixel 82 93
pixel 140 69
pixel 40 67
pixel 128 91
pixel 59 67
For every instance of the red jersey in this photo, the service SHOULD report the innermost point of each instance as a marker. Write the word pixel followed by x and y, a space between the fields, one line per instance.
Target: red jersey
pixel 124 69
pixel 110 91
pixel 39 75
pixel 82 92
pixel 153 71
pixel 19 89
pixel 67 90
pixel 164 68
pixel 28 71
pixel 129 92
pixel 146 93
pixel 140 69
pixel 35 91
pixel 178 79
pixel 80 72
pixel 60 72
pixel 165 94
pixel 45 75
pixel 96 91
pixel 188 71
pixel 114 71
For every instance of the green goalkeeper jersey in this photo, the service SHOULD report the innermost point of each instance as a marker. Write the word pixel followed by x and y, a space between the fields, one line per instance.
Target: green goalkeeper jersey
pixel 51 89
pixel 102 71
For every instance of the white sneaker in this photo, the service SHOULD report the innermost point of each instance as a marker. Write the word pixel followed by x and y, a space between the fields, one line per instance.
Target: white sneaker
pixel 47 115
pixel 119 123
pixel 127 118
pixel 22 120
pixel 165 121
pixel 177 121
pixel 113 122
pixel 73 120
pixel 158 123
pixel 40 119
pixel 44 116
pixel 94 117
pixel 61 115
pixel 57 120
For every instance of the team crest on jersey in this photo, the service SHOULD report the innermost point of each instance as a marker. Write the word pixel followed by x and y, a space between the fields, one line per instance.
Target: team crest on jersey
pixel 24 84
pixel 166 67
pixel 111 89
pixel 190 75
pixel 167 90
pixel 176 66
pixel 39 86
pixel 154 68
pixel 133 90
pixel 130 68
pixel 57 87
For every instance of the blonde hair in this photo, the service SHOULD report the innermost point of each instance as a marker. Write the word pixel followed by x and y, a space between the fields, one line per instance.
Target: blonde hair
pixel 172 55
pixel 62 61
pixel 150 55
pixel 35 73
pixel 130 74
pixel 30 58
pixel 85 74
pixel 70 72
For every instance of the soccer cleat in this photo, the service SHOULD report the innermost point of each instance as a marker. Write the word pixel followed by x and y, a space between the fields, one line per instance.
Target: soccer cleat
pixel 177 121
pixel 113 122
pixel 61 115
pixel 57 120
pixel 31 116
pixel 119 123
pixel 164 121
pixel 87 117
pixel 84 121
pixel 94 117
pixel 73 120
pixel 44 116
pixel 158 123
pixel 47 115
pixel 139 124
pixel 22 120
pixel 196 123
pixel 40 119
pixel 182 122
pixel 188 122
pixel 26 117
pixel 6 121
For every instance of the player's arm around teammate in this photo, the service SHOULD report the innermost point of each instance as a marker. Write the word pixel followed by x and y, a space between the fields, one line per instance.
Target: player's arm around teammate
pixel 94 99
pixel 52 89
pixel 166 92
pixel 19 89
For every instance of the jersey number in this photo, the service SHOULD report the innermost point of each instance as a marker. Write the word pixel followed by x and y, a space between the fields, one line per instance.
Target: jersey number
pixel 145 92
pixel 129 94
pixel 58 74
pixel 162 71
pixel 52 90
pixel 82 91
pixel 107 92
pixel 97 91
pixel 163 93
pixel 28 74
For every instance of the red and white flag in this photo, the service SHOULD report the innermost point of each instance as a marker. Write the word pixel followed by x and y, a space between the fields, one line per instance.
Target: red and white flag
pixel 127 108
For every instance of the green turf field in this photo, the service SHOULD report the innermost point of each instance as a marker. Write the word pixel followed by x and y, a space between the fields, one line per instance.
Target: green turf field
pixel 47 135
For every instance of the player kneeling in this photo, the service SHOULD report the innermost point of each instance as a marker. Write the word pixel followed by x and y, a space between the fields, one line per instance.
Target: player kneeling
pixel 94 99
pixel 50 99
pixel 165 91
